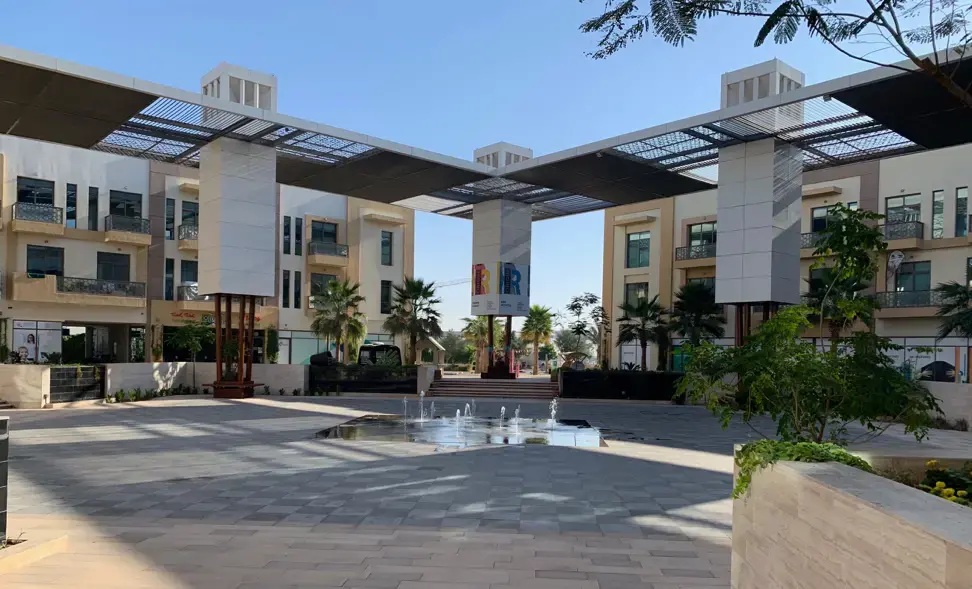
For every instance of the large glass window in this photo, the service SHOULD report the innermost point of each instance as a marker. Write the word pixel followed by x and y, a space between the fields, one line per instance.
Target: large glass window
pixel 903 209
pixel 286 289
pixel 708 281
pixel 961 212
pixel 169 293
pixel 938 214
pixel 321 231
pixel 39 192
pixel 124 204
pixel 170 218
pixel 386 297
pixel 818 219
pixel 43 260
pixel 190 212
pixel 188 271
pixel 71 207
pixel 702 234
pixel 913 277
pixel 639 248
pixel 968 271
pixel 318 282
pixel 634 291
pixel 112 266
pixel 386 248
pixel 92 208
pixel 296 289
pixel 298 236
pixel 286 235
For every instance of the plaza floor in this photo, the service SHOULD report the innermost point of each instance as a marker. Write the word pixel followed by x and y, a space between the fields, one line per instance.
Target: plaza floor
pixel 238 494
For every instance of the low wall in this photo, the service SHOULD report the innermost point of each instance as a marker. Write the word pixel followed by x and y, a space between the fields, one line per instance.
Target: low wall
pixel 146 376
pixel 955 399
pixel 25 386
pixel 820 526
pixel 618 384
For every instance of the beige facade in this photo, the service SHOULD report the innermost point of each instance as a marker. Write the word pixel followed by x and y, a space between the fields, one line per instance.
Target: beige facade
pixel 934 242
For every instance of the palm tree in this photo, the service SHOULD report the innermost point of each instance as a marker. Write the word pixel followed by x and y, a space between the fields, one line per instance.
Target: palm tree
pixel 955 309
pixel 476 332
pixel 413 313
pixel 639 323
pixel 695 314
pixel 191 336
pixel 336 314
pixel 538 328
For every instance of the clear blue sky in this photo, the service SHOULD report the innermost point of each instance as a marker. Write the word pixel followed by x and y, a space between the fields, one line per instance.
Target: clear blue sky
pixel 444 75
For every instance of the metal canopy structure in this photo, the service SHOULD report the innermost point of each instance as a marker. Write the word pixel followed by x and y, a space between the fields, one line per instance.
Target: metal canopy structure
pixel 837 122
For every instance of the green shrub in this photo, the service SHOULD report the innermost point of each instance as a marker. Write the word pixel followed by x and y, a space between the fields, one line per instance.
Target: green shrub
pixel 281 392
pixel 296 392
pixel 755 456
pixel 948 483
pixel 266 389
pixel 120 396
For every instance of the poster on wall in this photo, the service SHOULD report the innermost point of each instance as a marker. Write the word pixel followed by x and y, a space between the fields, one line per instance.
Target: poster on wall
pixel 484 301
pixel 502 288
pixel 34 340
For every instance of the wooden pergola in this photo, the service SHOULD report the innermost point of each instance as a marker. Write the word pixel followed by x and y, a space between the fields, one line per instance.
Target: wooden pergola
pixel 239 385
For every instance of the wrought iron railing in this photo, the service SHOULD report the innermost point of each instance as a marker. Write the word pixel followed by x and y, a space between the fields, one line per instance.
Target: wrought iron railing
pixel 327 249
pixel 190 292
pixel 129 224
pixel 94 286
pixel 809 240
pixel 903 230
pixel 909 298
pixel 28 211
pixel 188 231
pixel 695 252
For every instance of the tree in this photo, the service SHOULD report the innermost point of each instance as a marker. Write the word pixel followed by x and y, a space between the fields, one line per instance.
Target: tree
pixel 476 332
pixel 695 314
pixel 547 351
pixel 639 324
pixel 191 336
pixel 457 350
pixel 572 347
pixel 336 314
pixel 834 306
pixel 537 328
pixel 414 313
pixel 955 310
pixel 589 319
pixel 906 27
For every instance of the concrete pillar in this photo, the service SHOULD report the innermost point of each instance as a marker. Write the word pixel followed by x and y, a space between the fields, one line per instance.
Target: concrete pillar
pixel 759 208
pixel 501 258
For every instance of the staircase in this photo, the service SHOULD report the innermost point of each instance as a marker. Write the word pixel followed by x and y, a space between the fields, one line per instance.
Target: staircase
pixel 524 388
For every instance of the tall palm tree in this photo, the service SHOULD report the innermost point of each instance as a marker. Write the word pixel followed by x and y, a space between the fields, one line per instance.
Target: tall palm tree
pixel 538 328
pixel 639 324
pixel 695 314
pixel 414 313
pixel 476 332
pixel 336 314
pixel 955 310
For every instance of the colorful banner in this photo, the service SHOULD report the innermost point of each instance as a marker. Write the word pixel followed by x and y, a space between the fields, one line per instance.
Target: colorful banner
pixel 502 288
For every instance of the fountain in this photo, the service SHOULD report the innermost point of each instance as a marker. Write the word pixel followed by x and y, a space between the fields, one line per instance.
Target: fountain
pixel 473 412
pixel 516 415
pixel 502 415
pixel 466 414
pixel 421 406
pixel 432 410
pixel 553 410
pixel 458 416
pixel 405 408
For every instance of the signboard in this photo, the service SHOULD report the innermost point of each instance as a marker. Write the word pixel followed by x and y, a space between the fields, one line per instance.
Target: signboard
pixel 502 288
pixel 33 339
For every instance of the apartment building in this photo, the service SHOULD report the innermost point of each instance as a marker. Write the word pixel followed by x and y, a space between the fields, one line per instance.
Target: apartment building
pixel 101 251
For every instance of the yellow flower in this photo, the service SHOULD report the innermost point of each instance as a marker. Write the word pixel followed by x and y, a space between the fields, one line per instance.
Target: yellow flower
pixel 952 498
pixel 962 493
pixel 932 464
pixel 948 492
pixel 940 485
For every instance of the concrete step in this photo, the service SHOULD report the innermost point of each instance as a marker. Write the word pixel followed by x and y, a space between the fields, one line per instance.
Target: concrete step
pixel 493 388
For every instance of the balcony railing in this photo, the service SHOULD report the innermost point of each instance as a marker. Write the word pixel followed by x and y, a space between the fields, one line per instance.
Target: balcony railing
pixel 907 299
pixel 129 224
pixel 188 232
pixel 190 292
pixel 28 211
pixel 809 240
pixel 93 286
pixel 903 230
pixel 327 249
pixel 695 252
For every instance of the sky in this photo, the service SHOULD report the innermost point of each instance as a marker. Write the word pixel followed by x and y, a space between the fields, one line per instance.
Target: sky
pixel 444 75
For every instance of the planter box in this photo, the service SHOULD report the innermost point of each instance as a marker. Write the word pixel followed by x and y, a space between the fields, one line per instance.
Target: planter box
pixel 77 383
pixel 821 526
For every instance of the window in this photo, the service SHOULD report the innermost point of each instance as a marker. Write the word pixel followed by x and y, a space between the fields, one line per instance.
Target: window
pixel 296 289
pixel 325 232
pixel 968 271
pixel 188 271
pixel 938 214
pixel 852 205
pixel 635 291
pixel 43 260
pixel 92 208
pixel 38 192
pixel 386 248
pixel 819 278
pixel 190 213
pixel 169 294
pixel 71 208
pixel 961 212
pixel 708 281
pixel 318 282
pixel 124 204
pixel 913 277
pixel 702 234
pixel 170 218
pixel 639 247
pixel 113 266
pixel 903 209
pixel 298 235
pixel 386 297
pixel 286 289
pixel 286 235
pixel 818 219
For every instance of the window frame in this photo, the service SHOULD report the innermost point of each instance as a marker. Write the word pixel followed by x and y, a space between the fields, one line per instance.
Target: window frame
pixel 938 214
pixel 168 280
pixel 71 206
pixel 93 197
pixel 386 257
pixel 298 236
pixel 183 264
pixel 39 185
pixel 317 229
pixel 286 234
pixel 170 206
pixel 285 289
pixel 912 272
pixel 904 206
pixel 192 208
pixel 631 288
pixel 385 297
pixel 643 251
pixel 125 204
pixel 297 289
pixel 110 263
pixel 962 218
pixel 46 252
pixel 703 232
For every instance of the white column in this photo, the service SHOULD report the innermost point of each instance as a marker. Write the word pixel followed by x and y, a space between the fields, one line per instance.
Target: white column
pixel 237 218
pixel 501 258
pixel 759 207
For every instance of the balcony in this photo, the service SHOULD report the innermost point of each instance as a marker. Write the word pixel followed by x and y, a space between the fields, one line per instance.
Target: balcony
pixel 320 253
pixel 188 237
pixel 128 230
pixel 810 240
pixel 80 291
pixel 189 298
pixel 904 234
pixel 694 256
pixel 916 303
pixel 27 217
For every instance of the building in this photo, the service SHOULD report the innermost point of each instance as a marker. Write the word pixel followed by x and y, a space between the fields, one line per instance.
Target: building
pixel 103 249
pixel 654 247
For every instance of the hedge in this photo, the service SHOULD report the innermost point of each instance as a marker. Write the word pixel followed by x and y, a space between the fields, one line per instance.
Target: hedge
pixel 619 384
